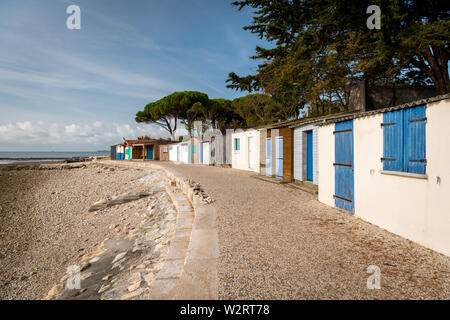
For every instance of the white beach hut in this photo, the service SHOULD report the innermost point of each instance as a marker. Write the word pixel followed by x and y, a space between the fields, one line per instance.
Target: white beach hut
pixel 245 150
pixel 306 153
pixel 390 167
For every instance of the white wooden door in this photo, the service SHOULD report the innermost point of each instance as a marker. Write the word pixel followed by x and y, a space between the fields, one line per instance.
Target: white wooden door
pixel 251 152
pixel 206 153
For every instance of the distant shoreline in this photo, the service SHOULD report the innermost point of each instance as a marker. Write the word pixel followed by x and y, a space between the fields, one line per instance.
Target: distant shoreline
pixel 29 162
pixel 62 158
pixel 23 157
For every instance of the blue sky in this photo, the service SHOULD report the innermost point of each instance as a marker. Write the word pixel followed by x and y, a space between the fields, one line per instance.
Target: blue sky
pixel 74 90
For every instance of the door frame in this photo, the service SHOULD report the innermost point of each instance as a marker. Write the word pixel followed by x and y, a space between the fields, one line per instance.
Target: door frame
pixel 309 155
pixel 279 157
pixel 344 193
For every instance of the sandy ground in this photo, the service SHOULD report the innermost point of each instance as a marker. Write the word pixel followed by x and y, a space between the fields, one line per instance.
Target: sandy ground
pixel 281 243
pixel 42 226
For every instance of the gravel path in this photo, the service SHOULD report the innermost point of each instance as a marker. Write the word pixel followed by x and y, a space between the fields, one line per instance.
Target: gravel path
pixel 43 228
pixel 281 243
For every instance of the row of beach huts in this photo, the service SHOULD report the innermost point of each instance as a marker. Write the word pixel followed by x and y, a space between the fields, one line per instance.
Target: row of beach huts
pixel 388 166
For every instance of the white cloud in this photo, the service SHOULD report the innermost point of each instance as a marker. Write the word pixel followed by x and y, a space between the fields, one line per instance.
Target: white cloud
pixel 26 126
pixel 124 130
pixel 43 133
pixel 71 129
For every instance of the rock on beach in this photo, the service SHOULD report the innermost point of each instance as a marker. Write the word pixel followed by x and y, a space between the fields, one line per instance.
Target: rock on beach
pixel 47 222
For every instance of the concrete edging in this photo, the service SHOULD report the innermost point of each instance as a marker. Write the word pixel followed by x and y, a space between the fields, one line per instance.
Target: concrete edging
pixel 190 270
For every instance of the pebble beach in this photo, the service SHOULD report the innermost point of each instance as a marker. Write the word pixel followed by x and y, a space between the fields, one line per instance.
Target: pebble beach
pixel 46 224
pixel 120 224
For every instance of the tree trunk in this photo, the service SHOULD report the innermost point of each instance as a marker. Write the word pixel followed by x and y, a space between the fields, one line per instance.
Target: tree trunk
pixel 438 61
pixel 442 80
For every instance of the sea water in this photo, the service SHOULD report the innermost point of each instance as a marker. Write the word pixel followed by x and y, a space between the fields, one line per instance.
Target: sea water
pixel 13 156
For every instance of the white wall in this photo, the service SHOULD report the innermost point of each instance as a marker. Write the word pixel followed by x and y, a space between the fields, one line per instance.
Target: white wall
pixel 240 159
pixel 300 153
pixel 437 217
pixel 417 209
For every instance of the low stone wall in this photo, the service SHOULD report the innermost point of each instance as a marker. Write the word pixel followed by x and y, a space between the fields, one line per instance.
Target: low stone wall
pixel 190 271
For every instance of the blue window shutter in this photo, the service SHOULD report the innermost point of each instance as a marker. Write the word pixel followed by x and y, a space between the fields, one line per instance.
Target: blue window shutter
pixel 393 141
pixel 414 140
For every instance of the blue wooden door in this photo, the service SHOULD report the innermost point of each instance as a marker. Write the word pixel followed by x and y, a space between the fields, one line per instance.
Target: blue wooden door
pixel 343 154
pixel 279 157
pixel 150 152
pixel 269 157
pixel 309 155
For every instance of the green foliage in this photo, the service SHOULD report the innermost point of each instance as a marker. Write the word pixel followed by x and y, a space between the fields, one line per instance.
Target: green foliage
pixel 188 107
pixel 257 109
pixel 144 138
pixel 161 113
pixel 223 115
pixel 249 83
pixel 323 47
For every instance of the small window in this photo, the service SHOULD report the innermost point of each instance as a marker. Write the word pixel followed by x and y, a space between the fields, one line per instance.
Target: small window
pixel 194 149
pixel 404 140
pixel 237 144
pixel 164 149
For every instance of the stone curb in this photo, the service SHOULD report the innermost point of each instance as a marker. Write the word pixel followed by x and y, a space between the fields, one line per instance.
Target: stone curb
pixel 190 270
